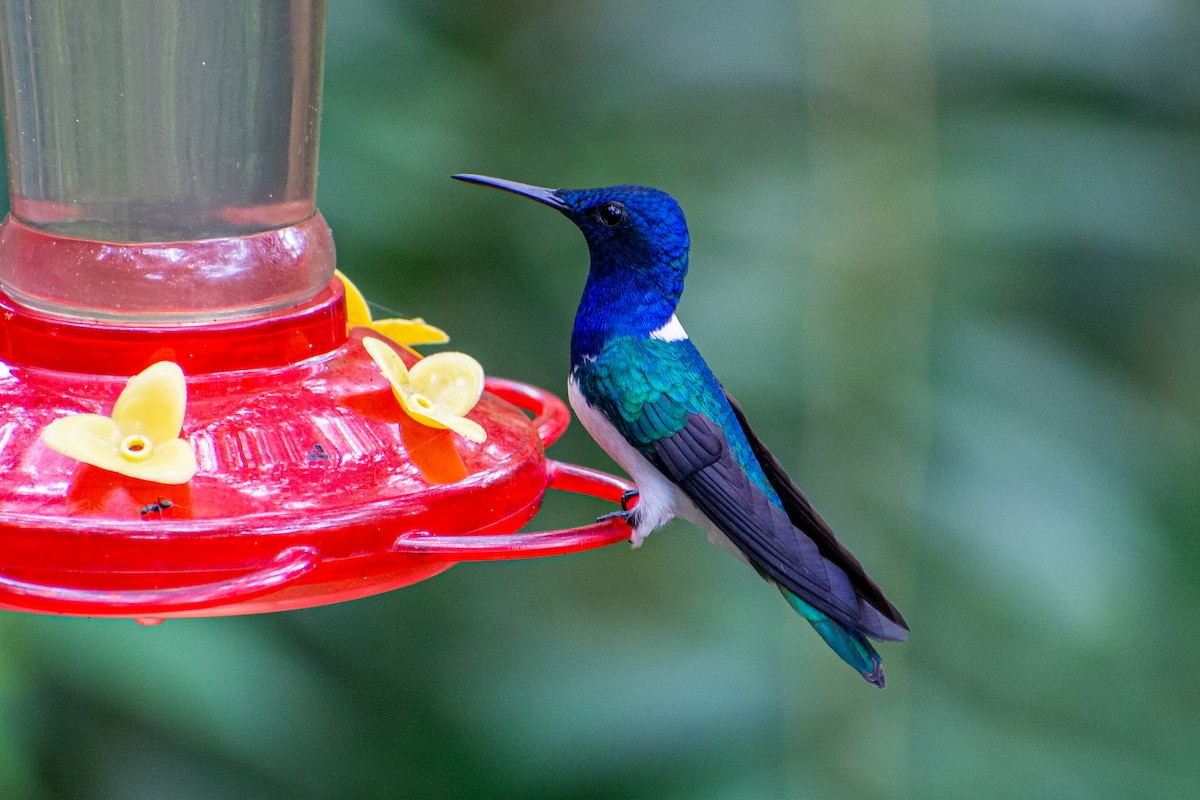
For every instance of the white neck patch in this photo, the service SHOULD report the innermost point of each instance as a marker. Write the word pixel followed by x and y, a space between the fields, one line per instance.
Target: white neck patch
pixel 672 331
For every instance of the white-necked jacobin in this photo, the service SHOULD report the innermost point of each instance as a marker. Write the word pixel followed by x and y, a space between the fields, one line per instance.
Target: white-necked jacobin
pixel 641 389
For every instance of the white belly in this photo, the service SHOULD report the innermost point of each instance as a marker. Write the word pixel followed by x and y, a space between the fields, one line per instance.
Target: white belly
pixel 658 498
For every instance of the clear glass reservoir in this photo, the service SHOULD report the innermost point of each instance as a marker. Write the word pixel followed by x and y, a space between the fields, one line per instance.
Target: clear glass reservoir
pixel 137 129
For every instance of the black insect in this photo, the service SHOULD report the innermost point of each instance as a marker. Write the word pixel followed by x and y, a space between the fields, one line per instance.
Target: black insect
pixel 159 506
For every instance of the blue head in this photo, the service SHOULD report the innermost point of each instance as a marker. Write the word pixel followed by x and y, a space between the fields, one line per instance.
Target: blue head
pixel 638 241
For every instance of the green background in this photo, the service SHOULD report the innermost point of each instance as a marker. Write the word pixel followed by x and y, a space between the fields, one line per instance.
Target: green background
pixel 945 253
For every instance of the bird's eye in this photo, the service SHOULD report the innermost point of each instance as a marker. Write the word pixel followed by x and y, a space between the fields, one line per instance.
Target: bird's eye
pixel 611 214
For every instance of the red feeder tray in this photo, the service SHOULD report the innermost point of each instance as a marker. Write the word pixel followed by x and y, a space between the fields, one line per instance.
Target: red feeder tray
pixel 313 485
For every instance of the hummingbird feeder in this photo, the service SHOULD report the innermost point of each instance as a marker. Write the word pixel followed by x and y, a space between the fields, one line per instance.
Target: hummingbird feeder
pixel 162 166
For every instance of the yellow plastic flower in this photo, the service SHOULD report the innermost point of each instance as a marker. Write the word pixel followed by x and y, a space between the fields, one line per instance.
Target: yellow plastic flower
pixel 141 438
pixel 401 331
pixel 438 391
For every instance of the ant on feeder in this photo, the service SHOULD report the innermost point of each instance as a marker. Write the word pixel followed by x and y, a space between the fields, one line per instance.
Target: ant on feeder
pixel 161 505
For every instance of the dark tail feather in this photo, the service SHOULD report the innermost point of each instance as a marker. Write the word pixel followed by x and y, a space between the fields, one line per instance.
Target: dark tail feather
pixel 809 522
pixel 853 648
pixel 875 676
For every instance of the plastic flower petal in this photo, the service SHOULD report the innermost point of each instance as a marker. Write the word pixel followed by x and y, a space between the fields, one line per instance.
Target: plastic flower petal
pixel 409 331
pixel 401 331
pixel 357 312
pixel 438 391
pixel 141 438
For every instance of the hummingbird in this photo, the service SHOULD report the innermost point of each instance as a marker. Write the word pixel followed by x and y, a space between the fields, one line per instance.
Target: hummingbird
pixel 641 389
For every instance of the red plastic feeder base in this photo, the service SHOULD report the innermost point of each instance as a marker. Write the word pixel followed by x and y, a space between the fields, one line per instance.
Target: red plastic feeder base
pixel 313 486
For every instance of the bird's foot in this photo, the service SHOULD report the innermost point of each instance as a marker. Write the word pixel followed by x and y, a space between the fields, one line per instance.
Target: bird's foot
pixel 626 513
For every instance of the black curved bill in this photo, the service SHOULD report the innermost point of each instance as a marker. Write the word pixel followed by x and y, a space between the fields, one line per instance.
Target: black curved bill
pixel 547 196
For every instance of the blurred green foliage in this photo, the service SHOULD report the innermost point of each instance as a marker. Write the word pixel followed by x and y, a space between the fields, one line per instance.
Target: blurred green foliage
pixel 945 253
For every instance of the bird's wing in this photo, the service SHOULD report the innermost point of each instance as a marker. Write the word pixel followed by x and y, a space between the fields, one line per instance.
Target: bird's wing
pixel 664 401
pixel 699 459
pixel 806 518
